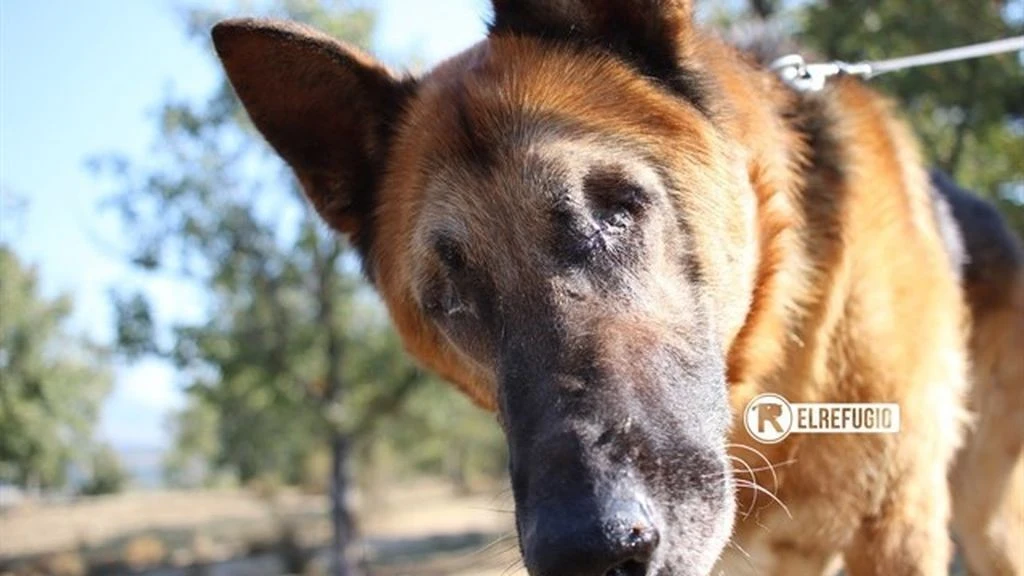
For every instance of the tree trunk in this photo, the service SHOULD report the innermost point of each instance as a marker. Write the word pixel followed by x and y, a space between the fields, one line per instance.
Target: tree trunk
pixel 341 562
pixel 457 468
pixel 334 394
pixel 951 164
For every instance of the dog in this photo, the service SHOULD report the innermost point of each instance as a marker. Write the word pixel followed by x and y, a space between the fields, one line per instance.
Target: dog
pixel 615 230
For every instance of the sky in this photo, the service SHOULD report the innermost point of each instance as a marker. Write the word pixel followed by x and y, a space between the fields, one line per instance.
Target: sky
pixel 82 79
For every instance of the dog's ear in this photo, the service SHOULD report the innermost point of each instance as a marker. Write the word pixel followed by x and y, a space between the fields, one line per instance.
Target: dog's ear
pixel 323 106
pixel 651 33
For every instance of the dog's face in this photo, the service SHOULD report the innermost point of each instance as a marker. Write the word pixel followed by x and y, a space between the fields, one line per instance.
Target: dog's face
pixel 558 228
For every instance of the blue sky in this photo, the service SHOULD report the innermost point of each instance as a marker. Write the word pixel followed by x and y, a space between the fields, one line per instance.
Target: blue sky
pixel 80 79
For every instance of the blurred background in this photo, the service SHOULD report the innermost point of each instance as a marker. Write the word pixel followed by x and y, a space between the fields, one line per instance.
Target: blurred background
pixel 194 378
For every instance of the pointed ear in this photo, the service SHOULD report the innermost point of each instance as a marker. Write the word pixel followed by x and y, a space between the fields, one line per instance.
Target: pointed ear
pixel 652 34
pixel 323 106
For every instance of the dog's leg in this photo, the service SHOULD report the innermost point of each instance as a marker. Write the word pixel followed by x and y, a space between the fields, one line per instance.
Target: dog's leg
pixel 909 537
pixel 907 534
pixel 989 511
pixel 988 479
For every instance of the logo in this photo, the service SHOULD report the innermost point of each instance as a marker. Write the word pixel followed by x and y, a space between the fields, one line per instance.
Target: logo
pixel 770 418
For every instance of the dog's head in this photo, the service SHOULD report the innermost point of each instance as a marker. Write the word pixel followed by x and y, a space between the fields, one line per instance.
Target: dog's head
pixel 557 227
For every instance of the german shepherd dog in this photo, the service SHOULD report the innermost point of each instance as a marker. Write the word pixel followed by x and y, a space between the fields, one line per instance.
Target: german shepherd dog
pixel 615 230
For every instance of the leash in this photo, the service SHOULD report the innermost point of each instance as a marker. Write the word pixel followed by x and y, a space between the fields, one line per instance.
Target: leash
pixel 812 77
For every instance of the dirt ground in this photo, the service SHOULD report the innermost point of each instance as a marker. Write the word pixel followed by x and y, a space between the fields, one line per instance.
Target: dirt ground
pixel 36 528
pixel 421 529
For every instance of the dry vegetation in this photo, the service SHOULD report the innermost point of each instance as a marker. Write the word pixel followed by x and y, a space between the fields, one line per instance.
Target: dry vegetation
pixel 31 529
pixel 422 529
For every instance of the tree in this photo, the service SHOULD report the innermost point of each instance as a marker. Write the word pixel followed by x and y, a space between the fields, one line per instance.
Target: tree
pixel 51 382
pixel 968 115
pixel 195 446
pixel 106 475
pixel 291 333
pixel 965 111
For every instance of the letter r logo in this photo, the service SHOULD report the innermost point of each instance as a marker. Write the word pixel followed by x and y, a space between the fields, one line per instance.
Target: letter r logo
pixel 768 418
pixel 769 412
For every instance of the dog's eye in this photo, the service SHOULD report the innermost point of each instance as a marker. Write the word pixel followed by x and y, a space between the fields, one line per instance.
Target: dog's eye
pixel 615 209
pixel 613 218
pixel 613 201
pixel 450 254
pixel 445 302
pixel 444 299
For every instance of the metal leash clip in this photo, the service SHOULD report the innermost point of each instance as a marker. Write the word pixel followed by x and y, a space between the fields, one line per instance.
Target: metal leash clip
pixel 805 77
pixel 811 77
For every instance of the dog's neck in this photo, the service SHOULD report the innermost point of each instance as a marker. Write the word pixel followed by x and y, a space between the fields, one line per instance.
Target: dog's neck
pixel 777 153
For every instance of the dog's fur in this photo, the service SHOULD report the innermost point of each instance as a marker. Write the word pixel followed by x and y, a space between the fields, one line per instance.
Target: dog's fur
pixel 616 230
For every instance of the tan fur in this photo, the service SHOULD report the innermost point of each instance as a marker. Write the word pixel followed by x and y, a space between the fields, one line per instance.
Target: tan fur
pixel 604 104
pixel 881 499
pixel 988 479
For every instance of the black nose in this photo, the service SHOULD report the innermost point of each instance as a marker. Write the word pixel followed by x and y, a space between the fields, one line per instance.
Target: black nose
pixel 618 539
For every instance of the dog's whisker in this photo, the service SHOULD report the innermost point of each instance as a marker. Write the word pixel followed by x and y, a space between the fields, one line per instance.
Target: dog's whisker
pixel 715 475
pixel 753 480
pixel 746 556
pixel 489 509
pixel 515 565
pixel 490 547
pixel 758 488
pixel 771 467
pixel 782 464
pixel 500 495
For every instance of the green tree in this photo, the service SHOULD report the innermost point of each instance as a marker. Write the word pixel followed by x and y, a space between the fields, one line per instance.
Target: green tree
pixel 106 475
pixel 444 434
pixel 195 445
pixel 51 382
pixel 969 116
pixel 293 350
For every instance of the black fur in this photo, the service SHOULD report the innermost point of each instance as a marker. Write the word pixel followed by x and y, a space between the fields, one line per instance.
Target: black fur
pixel 365 192
pixel 646 42
pixel 989 248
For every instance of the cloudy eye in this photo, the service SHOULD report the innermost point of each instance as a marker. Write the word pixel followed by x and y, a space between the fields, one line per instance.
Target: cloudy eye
pixel 450 254
pixel 444 299
pixel 612 219
pixel 619 205
pixel 613 200
pixel 451 304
